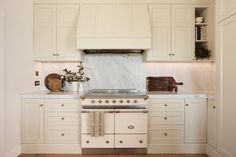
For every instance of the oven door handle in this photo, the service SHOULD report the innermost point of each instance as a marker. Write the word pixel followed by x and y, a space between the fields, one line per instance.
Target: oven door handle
pixel 86 111
pixel 143 111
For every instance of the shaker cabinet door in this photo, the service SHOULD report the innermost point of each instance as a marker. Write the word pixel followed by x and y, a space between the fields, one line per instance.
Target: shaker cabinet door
pixel 32 121
pixel 45 32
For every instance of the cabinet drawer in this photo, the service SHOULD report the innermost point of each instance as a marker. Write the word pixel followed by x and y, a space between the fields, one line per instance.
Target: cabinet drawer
pixel 166 105
pixel 62 118
pixel 157 118
pixel 131 141
pixel 106 141
pixel 58 105
pixel 62 136
pixel 131 122
pixel 166 134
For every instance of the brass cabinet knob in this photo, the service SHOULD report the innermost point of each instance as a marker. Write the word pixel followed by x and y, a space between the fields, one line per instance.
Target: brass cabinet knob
pixel 107 142
pixel 214 107
pixel 62 118
pixel 41 105
pixel 187 105
pixel 87 141
pixel 140 141
pixel 165 118
pixel 165 134
pixel 121 141
pixel 62 134
pixel 62 105
pixel 166 105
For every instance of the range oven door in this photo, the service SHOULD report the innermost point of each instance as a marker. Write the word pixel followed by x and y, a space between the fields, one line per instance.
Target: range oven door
pixel 106 141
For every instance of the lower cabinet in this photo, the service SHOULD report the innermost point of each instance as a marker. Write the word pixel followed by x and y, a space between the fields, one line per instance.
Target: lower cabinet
pixel 50 121
pixel 195 120
pixel 211 123
pixel 32 121
pixel 177 125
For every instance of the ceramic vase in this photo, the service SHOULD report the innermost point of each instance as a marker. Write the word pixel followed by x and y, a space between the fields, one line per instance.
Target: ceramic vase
pixel 75 86
pixel 81 87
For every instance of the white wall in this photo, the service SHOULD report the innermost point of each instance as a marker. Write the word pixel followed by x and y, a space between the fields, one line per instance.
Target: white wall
pixel 2 92
pixel 19 66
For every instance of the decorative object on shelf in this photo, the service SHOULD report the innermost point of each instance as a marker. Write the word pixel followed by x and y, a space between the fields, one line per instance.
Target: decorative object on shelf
pixel 53 82
pixel 76 78
pixel 199 19
pixel 202 52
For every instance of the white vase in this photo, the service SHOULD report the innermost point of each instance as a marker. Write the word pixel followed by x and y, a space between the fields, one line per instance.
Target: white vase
pixel 81 87
pixel 75 86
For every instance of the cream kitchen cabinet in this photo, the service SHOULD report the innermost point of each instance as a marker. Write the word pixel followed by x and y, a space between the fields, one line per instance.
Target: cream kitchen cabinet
pixel 195 120
pixel 32 121
pixel 55 29
pixel 166 121
pixel 225 8
pixel 211 122
pixel 226 125
pixel 50 121
pixel 62 121
pixel 172 33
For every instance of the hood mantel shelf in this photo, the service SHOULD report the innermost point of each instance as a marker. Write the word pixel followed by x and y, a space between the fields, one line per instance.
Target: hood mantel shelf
pixel 114 26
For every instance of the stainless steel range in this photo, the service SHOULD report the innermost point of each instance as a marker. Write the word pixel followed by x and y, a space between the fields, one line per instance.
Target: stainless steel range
pixel 114 121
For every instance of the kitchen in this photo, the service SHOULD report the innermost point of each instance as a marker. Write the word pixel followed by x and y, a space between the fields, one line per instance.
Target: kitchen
pixel 117 71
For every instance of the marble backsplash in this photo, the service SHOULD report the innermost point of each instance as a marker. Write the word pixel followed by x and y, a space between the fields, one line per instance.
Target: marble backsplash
pixel 130 71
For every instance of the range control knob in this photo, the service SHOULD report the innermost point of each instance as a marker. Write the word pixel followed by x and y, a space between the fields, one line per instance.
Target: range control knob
pixel 135 101
pixel 114 101
pixel 128 101
pixel 99 101
pixel 92 101
pixel 107 101
pixel 121 101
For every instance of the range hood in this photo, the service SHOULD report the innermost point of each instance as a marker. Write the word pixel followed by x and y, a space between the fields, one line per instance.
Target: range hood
pixel 113 26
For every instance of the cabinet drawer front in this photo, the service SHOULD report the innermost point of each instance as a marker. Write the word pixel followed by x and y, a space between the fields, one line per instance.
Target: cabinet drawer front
pixel 62 136
pixel 108 122
pixel 131 122
pixel 131 141
pixel 166 105
pixel 62 118
pixel 61 105
pixel 166 134
pixel 157 118
pixel 106 141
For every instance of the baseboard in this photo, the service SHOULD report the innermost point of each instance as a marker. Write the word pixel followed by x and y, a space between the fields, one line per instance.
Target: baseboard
pixel 51 149
pixel 177 149
pixel 211 152
pixel 14 152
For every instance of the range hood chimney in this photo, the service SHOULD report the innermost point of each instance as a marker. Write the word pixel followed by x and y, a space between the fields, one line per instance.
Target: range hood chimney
pixel 114 26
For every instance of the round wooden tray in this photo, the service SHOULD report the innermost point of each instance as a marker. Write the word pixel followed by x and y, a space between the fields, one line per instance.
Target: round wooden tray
pixel 53 82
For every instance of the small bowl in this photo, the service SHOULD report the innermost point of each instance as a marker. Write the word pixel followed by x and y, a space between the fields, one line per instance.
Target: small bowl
pixel 199 19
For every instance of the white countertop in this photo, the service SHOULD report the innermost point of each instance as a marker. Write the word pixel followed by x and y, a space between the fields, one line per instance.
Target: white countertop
pixel 71 95
pixel 48 94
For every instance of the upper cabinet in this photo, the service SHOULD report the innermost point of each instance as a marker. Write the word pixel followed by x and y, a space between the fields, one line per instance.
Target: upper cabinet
pixel 225 8
pixel 55 29
pixel 172 33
